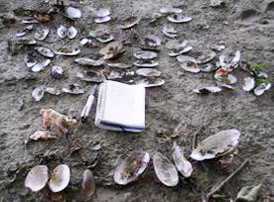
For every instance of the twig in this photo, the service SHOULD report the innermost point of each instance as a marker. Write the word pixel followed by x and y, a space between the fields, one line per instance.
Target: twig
pixel 194 140
pixel 218 186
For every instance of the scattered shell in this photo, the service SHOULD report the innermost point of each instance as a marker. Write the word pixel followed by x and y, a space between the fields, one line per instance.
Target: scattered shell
pixel 249 83
pixel 37 178
pixel 207 90
pixel 249 193
pixel 216 3
pixel 103 12
pixel 26 41
pixel 165 170
pixel 148 72
pixel 105 38
pixel 73 89
pixel 42 34
pixel 171 10
pixel 26 30
pixel 230 65
pixel 169 31
pixel 174 53
pixel 29 21
pixel 44 135
pixel 151 42
pixel 179 18
pixel 89 62
pixel 207 57
pixel 73 13
pixel 67 51
pixel 259 90
pixel 145 55
pixel 119 65
pixel 72 32
pixel 146 63
pixel 220 144
pixel 183 58
pixel 102 20
pixel 57 72
pixel 30 59
pixel 87 42
pixel 102 34
pixel 131 168
pixel 40 66
pixel 208 67
pixel 38 93
pixel 261 75
pixel 91 76
pixel 59 178
pixel 190 67
pixel 223 76
pixel 112 50
pixel 62 31
pixel 52 90
pixel 88 184
pixel 46 52
pixel 124 76
pixel 129 22
pixel 181 163
pixel 150 82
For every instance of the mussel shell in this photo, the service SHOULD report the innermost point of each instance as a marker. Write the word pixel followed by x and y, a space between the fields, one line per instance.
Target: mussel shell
pixel 73 89
pixel 165 170
pixel 68 51
pixel 129 22
pixel 38 93
pixel 220 144
pixel 119 65
pixel 102 20
pixel 103 12
pixel 207 57
pixel 73 13
pixel 60 178
pixel 190 67
pixel 131 168
pixel 42 34
pixel 37 178
pixel 171 10
pixel 145 55
pixel 40 66
pixel 88 184
pixel 207 90
pixel 62 31
pixel 44 51
pixel 89 62
pixel 150 82
pixel 148 72
pixel 72 32
pixel 179 18
pixel 181 163
pixel 259 90
pixel 57 72
pixel 146 63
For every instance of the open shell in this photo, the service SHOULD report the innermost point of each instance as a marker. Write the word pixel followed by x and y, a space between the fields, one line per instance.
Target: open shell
pixel 146 63
pixel 44 135
pixel 88 184
pixel 112 50
pixel 102 20
pixel 131 168
pixel 73 13
pixel 148 72
pixel 103 12
pixel 150 82
pixel 208 90
pixel 169 31
pixel 145 55
pixel 72 32
pixel 40 65
pixel 73 89
pixel 259 90
pixel 165 170
pixel 89 62
pixel 67 51
pixel 181 163
pixel 38 93
pixel 45 51
pixel 220 144
pixel 190 67
pixel 179 18
pixel 62 31
pixel 184 58
pixel 249 83
pixel 207 57
pixel 37 178
pixel 59 178
pixel 42 34
pixel 30 59
pixel 129 22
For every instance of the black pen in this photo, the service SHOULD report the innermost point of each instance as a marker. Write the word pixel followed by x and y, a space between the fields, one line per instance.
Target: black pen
pixel 87 107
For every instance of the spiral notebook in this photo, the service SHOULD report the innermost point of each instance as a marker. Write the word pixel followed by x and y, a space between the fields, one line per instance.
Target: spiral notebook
pixel 120 107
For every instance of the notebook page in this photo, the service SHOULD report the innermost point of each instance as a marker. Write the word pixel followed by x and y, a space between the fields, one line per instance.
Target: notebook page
pixel 124 104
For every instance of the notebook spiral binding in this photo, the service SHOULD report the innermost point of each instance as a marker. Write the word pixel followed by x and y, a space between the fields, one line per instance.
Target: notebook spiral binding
pixel 102 100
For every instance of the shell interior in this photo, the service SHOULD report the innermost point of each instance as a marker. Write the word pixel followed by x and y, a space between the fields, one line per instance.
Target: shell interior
pixel 179 18
pixel 37 178
pixel 150 82
pixel 38 93
pixel 259 90
pixel 73 13
pixel 145 55
pixel 148 72
pixel 88 183
pixel 190 67
pixel 59 178
pixel 42 34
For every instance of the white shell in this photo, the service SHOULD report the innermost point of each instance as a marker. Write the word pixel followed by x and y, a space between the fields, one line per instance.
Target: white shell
pixel 170 10
pixel 40 65
pixel 119 65
pixel 208 67
pixel 235 61
pixel 89 62
pixel 38 93
pixel 57 72
pixel 231 79
pixel 148 63
pixel 68 51
pixel 174 53
pixel 62 31
pixel 101 13
pixel 190 67
pixel 88 183
pixel 145 55
pixel 42 34
pixel 112 50
pixel 45 51
pixel 259 90
pixel 72 32
pixel 148 83
pixel 37 178
pixel 52 90
pixel 30 59
pixel 220 144
pixel 59 178
pixel 207 57
pixel 73 89
pixel 179 18
pixel 129 22
pixel 148 72
pixel 184 58
pixel 105 38
pixel 169 29
pixel 181 163
pixel 102 20
pixel 165 170
pixel 207 90
pixel 73 13
pixel 44 135
pixel 131 168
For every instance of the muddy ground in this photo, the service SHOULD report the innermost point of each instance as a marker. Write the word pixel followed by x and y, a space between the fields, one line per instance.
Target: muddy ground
pixel 246 25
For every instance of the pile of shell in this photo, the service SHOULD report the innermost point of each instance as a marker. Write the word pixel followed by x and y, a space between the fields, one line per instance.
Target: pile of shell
pixel 222 145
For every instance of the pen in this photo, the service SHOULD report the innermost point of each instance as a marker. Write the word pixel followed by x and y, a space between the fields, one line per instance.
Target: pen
pixel 87 107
